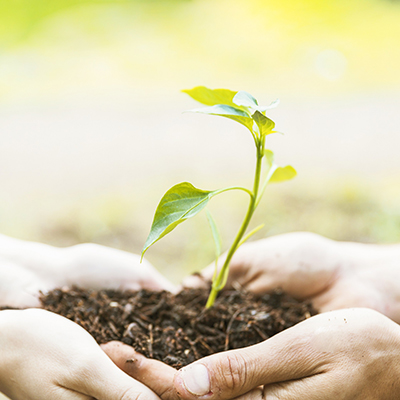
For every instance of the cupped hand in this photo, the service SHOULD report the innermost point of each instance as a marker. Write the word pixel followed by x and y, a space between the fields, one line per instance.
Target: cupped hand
pixel 331 274
pixel 45 356
pixel 26 268
pixel 351 354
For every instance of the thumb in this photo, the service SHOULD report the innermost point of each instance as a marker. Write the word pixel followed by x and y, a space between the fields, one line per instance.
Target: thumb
pixel 286 356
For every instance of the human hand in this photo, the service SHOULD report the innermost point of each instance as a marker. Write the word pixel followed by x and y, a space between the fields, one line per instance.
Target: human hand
pixel 351 354
pixel 26 268
pixel 45 356
pixel 331 274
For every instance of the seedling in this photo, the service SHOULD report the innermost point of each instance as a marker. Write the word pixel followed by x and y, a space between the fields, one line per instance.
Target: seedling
pixel 184 201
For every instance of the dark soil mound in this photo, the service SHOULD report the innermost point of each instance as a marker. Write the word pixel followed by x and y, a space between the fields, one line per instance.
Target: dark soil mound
pixel 177 329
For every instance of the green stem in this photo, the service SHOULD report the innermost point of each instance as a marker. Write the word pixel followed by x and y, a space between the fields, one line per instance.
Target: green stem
pixel 264 186
pixel 233 188
pixel 219 283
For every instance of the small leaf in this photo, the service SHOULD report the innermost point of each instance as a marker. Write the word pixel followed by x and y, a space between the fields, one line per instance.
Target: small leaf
pixel 223 110
pixel 283 174
pixel 211 97
pixel 245 99
pixel 274 104
pixel 269 157
pixel 250 234
pixel 217 240
pixel 265 125
pixel 224 280
pixel 215 233
pixel 228 112
pixel 181 202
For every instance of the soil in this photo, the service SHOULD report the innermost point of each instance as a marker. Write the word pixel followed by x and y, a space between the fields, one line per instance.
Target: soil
pixel 177 329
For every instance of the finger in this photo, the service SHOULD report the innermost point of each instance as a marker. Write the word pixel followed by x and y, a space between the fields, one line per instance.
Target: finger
pixel 19 287
pixel 241 272
pixel 346 293
pixel 51 393
pixel 203 278
pixel 255 394
pixel 103 380
pixel 287 356
pixel 321 386
pixel 197 280
pixel 153 280
pixel 154 374
pixel 96 266
pixel 62 393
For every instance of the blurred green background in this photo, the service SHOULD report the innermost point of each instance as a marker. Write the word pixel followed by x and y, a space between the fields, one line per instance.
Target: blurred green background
pixel 93 132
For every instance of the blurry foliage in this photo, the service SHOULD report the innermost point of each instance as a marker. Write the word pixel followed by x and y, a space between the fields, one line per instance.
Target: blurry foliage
pixel 55 46
pixel 20 18
pixel 290 45
pixel 346 211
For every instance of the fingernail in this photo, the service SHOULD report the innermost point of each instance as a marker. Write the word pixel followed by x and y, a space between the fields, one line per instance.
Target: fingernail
pixel 196 380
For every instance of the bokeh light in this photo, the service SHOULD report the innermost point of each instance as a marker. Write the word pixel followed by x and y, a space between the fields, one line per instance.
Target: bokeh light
pixel 93 132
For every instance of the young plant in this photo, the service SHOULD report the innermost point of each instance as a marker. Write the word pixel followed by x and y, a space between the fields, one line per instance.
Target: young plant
pixel 184 201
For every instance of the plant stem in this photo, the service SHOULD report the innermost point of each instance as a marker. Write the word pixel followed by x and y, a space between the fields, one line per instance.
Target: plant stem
pixel 234 188
pixel 219 283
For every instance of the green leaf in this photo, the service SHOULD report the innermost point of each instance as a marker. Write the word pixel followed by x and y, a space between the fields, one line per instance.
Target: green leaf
pixel 283 174
pixel 215 233
pixel 211 97
pixel 223 110
pixel 265 125
pixel 274 104
pixel 269 157
pixel 217 240
pixel 228 112
pixel 245 99
pixel 181 202
pixel 250 234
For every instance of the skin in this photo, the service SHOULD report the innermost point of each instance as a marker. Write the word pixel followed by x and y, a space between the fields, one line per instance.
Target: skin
pixel 45 356
pixel 345 354
pixel 350 354
pixel 333 275
pixel 27 268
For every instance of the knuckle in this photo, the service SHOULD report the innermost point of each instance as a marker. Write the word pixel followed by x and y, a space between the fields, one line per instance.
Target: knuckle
pixel 167 393
pixel 233 372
